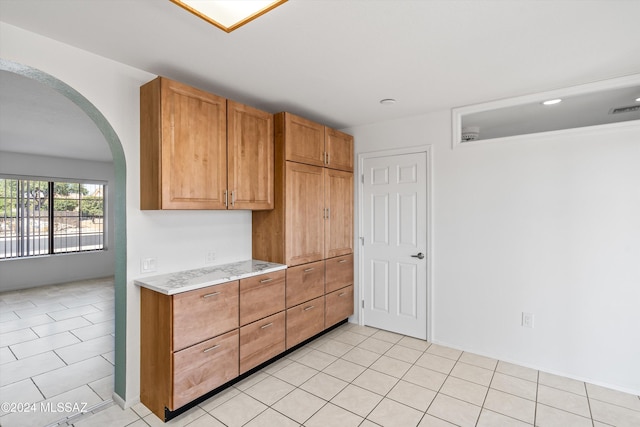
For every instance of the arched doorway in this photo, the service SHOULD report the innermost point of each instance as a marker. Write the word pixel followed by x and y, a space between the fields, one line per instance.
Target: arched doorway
pixel 119 202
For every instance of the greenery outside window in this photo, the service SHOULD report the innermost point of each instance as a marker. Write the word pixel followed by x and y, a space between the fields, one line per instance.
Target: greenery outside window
pixel 43 216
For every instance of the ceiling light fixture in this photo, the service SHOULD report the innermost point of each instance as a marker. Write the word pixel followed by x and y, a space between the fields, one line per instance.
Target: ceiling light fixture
pixel 387 101
pixel 637 99
pixel 228 15
pixel 552 101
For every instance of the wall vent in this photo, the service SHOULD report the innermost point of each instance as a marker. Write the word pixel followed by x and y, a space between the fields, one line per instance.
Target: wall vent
pixel 628 109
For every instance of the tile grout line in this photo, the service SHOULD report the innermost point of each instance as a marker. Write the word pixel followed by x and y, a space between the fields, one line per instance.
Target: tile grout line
pixel 535 409
pixel 586 392
pixel 493 374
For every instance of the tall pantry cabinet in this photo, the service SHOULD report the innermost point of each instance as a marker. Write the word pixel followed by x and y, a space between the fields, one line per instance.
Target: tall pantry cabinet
pixel 311 226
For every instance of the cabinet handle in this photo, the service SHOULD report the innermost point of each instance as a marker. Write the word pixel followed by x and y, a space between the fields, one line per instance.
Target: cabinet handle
pixel 325 158
pixel 342 294
pixel 328 213
pixel 266 280
pixel 266 326
pixel 225 199
pixel 306 270
pixel 342 261
pixel 211 295
pixel 328 158
pixel 309 308
pixel 211 348
pixel 233 198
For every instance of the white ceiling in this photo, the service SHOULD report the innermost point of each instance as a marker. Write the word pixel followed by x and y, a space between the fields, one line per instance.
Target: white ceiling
pixel 332 61
pixel 35 119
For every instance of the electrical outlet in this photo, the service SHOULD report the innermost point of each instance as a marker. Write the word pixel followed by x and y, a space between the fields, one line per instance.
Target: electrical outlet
pixel 527 320
pixel 148 265
pixel 210 257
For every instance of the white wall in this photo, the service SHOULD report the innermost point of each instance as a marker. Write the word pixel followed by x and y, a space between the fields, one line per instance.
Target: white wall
pixel 178 239
pixel 40 271
pixel 549 226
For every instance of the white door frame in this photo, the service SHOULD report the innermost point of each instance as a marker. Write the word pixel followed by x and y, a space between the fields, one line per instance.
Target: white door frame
pixel 359 252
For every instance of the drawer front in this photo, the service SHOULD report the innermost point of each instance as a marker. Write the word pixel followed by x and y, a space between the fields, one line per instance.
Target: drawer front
pixel 305 282
pixel 204 313
pixel 261 296
pixel 203 367
pixel 338 305
pixel 261 340
pixel 339 273
pixel 304 321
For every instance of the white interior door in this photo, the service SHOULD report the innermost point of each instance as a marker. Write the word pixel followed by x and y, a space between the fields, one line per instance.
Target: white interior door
pixel 395 243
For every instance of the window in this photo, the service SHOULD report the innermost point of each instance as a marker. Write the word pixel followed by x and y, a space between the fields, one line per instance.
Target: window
pixel 30 227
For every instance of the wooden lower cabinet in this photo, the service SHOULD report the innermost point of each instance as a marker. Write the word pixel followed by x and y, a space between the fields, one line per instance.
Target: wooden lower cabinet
pixel 304 321
pixel 196 341
pixel 338 273
pixel 305 282
pixel 261 341
pixel 204 313
pixel 261 296
pixel 203 367
pixel 338 306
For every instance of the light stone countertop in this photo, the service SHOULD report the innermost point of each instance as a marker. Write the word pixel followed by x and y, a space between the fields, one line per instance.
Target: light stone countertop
pixel 188 280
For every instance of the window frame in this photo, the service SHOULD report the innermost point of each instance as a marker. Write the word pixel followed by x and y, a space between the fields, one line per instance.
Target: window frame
pixel 51 235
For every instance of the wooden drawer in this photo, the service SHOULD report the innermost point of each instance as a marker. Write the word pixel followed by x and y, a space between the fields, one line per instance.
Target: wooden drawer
pixel 203 367
pixel 304 321
pixel 261 340
pixel 338 273
pixel 204 313
pixel 338 306
pixel 305 282
pixel 261 296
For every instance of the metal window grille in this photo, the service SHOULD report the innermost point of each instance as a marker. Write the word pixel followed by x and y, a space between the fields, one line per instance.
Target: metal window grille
pixel 44 217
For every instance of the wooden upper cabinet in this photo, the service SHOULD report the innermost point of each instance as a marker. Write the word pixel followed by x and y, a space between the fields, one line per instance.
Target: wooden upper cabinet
pixel 314 144
pixel 183 147
pixel 250 155
pixel 304 217
pixel 304 140
pixel 339 147
pixel 338 194
pixel 201 151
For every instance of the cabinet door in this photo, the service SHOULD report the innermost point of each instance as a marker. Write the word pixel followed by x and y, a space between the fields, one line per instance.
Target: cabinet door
pixel 203 367
pixel 304 140
pixel 304 321
pixel 250 150
pixel 194 148
pixel 339 148
pixel 338 273
pixel 261 296
pixel 261 340
pixel 305 282
pixel 339 306
pixel 339 216
pixel 204 313
pixel 304 223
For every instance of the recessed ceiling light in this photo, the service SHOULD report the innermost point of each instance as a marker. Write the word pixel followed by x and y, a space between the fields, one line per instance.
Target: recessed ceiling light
pixel 228 14
pixel 552 101
pixel 637 99
pixel 387 101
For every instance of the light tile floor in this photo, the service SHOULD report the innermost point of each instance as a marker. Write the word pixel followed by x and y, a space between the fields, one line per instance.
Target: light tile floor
pixel 56 346
pixel 353 376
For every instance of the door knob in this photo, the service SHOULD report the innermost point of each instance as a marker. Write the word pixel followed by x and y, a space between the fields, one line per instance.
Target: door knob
pixel 419 256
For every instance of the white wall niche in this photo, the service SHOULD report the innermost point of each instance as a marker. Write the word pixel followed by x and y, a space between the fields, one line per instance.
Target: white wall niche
pixel 525 117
